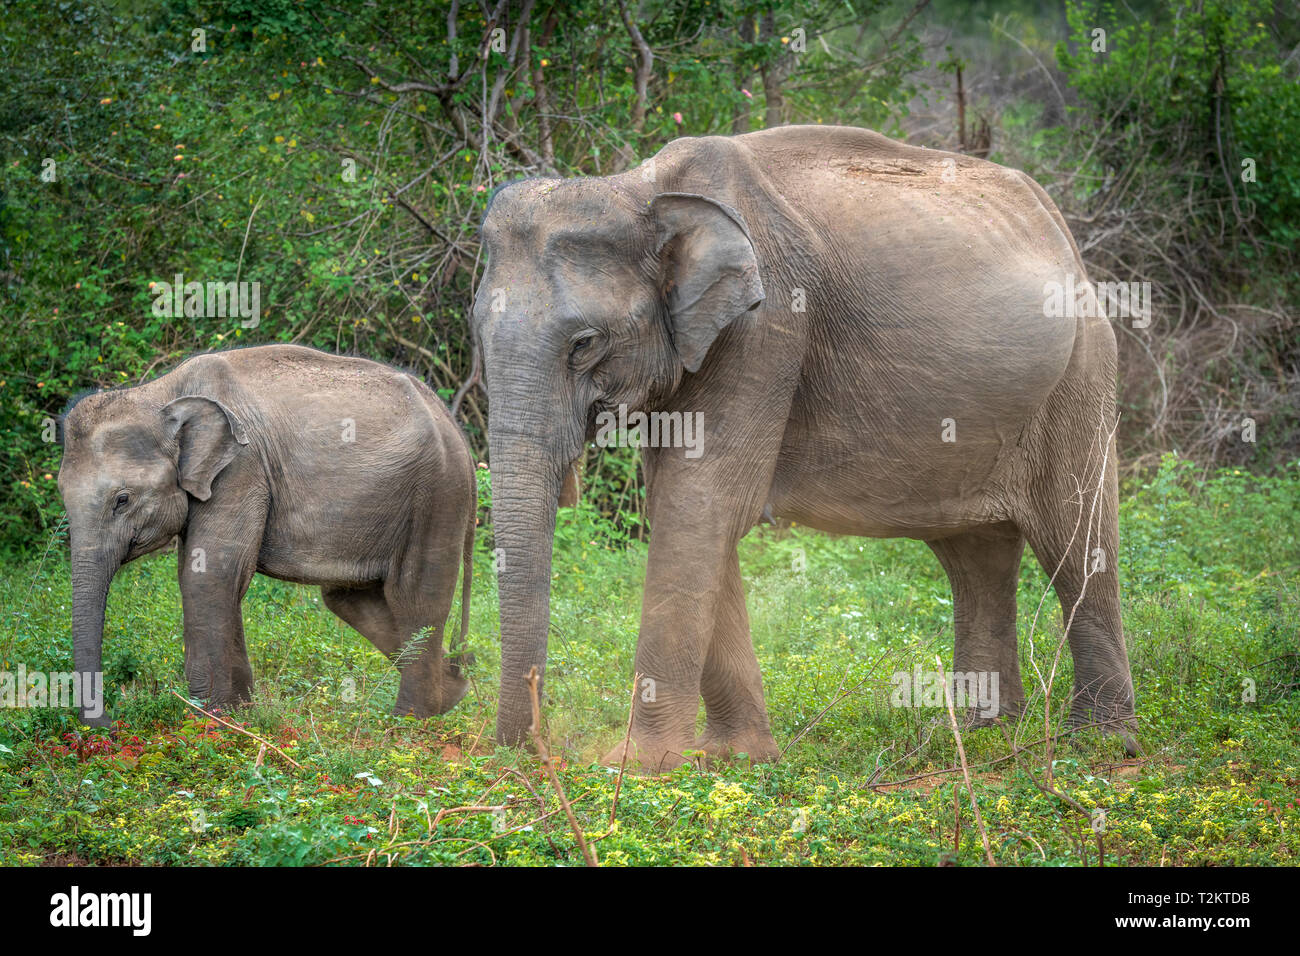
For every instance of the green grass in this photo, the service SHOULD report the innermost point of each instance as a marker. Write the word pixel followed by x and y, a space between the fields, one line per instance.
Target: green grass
pixel 1209 571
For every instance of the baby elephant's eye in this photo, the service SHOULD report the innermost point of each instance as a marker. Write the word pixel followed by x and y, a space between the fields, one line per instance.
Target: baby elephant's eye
pixel 122 500
pixel 580 345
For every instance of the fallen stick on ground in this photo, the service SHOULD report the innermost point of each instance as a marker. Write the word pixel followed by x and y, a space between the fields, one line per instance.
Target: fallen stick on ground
pixel 961 754
pixel 239 730
pixel 627 738
pixel 545 755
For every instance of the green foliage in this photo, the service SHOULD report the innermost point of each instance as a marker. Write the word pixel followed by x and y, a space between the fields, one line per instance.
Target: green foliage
pixel 1174 167
pixel 1194 93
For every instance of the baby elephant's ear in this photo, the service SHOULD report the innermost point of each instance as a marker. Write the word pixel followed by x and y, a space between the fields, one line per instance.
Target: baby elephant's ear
pixel 207 437
pixel 708 269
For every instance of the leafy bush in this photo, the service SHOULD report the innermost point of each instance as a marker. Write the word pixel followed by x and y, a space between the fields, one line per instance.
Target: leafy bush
pixel 1179 169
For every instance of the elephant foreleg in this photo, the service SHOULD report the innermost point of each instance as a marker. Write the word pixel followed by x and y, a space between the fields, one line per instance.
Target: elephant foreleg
pixel 684 583
pixel 215 570
pixel 695 633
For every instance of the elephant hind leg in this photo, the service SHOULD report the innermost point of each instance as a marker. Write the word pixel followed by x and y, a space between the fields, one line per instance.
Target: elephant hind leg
pixel 1074 533
pixel 731 684
pixel 421 597
pixel 366 610
pixel 983 566
pixel 389 622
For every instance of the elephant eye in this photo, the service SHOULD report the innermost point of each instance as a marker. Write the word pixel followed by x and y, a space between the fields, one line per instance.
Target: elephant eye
pixel 581 345
pixel 122 501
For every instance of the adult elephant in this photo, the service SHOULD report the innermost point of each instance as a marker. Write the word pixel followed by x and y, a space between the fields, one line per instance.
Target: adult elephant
pixel 866 330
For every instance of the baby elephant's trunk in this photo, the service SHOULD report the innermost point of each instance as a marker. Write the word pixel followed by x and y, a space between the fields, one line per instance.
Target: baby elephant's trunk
pixel 92 573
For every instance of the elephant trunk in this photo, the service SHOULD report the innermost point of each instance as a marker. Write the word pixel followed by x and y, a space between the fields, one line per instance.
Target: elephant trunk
pixel 525 491
pixel 92 572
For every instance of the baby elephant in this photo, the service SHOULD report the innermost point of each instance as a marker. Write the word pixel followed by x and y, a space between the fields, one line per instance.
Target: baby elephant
pixel 304 466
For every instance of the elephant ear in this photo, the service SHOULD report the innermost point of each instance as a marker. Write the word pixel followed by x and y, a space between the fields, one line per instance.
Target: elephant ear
pixel 708 269
pixel 207 437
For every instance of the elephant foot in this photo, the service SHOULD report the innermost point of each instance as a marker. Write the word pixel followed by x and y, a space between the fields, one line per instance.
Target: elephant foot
pixel 227 703
pixel 1113 721
pixel 722 745
pixel 223 696
pixel 428 696
pixel 1008 711
pixel 431 705
pixel 643 757
pixel 224 708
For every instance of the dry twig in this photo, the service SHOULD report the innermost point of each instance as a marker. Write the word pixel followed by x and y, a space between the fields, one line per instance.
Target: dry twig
pixel 239 730
pixel 627 738
pixel 961 753
pixel 544 754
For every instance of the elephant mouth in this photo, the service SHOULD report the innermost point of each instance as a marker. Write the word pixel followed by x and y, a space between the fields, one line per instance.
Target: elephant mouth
pixel 135 549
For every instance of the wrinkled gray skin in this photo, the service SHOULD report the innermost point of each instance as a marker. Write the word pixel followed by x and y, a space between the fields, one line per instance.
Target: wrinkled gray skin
pixel 676 287
pixel 244 455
